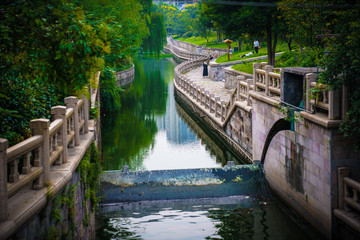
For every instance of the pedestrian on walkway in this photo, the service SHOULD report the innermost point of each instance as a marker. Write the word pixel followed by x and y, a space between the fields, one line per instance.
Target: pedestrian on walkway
pixel 256 46
pixel 205 69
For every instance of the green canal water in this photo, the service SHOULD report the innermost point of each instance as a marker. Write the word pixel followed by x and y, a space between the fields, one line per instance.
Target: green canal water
pixel 152 132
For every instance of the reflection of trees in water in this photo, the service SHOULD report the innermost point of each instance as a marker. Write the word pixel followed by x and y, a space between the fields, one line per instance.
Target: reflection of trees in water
pixel 233 224
pixel 114 228
pixel 128 133
pixel 219 150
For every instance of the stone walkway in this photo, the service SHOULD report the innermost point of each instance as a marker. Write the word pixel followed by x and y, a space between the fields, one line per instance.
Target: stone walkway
pixel 215 87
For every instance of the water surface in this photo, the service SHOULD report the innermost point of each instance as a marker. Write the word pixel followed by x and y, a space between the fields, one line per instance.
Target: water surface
pixel 148 133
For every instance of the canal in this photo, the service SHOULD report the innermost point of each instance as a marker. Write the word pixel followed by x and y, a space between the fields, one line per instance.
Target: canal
pixel 152 132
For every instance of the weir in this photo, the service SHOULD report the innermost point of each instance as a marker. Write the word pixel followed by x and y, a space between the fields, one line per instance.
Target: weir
pixel 130 186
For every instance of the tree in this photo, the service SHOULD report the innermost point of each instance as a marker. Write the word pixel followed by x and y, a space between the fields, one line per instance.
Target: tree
pixel 305 19
pixel 342 65
pixel 237 19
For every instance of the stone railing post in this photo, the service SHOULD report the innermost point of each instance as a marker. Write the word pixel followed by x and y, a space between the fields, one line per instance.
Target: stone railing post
pixel 223 110
pixel 86 114
pixel 59 112
pixel 342 173
pixel 239 79
pixel 268 68
pixel 41 127
pixel 249 81
pixel 334 105
pixel 255 67
pixel 71 102
pixel 3 180
pixel 309 77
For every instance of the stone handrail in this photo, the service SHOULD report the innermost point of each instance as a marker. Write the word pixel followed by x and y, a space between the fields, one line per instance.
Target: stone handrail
pixel 193 47
pixel 184 54
pixel 265 80
pixel 331 102
pixel 348 209
pixel 37 154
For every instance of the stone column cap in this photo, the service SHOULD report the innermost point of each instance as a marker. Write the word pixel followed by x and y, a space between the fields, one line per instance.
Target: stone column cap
pixel 4 144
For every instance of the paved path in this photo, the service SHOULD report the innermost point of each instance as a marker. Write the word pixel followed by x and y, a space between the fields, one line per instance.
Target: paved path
pixel 215 87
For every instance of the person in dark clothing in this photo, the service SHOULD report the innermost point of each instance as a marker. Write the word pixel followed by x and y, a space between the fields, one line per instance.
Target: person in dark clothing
pixel 205 69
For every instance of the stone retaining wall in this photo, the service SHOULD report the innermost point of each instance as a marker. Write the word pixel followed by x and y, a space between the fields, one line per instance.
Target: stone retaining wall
pixel 126 77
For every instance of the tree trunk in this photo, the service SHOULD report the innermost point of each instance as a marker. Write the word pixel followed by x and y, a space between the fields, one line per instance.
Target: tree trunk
pixel 239 45
pixel 289 44
pixel 270 55
pixel 274 47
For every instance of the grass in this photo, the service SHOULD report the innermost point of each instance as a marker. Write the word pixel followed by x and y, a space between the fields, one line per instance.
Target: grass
pixel 262 52
pixel 247 66
pixel 199 40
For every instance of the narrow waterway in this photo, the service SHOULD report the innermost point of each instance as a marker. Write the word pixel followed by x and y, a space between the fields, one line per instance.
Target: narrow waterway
pixel 152 132
pixel 149 134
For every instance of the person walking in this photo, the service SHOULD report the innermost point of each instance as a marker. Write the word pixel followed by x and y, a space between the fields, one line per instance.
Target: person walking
pixel 205 69
pixel 256 46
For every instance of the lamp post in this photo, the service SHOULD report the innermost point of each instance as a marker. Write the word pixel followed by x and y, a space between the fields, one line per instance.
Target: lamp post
pixel 228 41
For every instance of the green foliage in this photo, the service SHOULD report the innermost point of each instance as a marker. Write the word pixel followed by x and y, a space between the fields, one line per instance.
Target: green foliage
pixel 157 39
pixel 55 214
pixel 242 20
pixel 90 169
pixel 182 23
pixel 52 233
pixel 109 91
pixel 51 49
pixel 289 114
pixel 342 66
pixel 305 21
pixel 94 111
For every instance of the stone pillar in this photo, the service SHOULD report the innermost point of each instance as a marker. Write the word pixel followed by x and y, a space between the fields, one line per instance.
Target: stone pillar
pixel 3 180
pixel 239 79
pixel 255 67
pixel 86 114
pixel 59 112
pixel 41 127
pixel 334 105
pixel 268 68
pixel 342 173
pixel 217 99
pixel 249 82
pixel 211 96
pixel 71 102
pixel 309 77
pixel 223 110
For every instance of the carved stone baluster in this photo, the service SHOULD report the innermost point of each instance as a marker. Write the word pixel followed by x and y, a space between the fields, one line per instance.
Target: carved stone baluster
pixel 14 173
pixel 26 169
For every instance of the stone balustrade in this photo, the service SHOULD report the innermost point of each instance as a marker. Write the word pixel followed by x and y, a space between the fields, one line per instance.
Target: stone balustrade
pixel 348 210
pixel 334 103
pixel 266 80
pixel 47 147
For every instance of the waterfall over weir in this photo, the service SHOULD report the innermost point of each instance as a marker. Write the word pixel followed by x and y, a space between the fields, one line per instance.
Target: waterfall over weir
pixel 245 180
